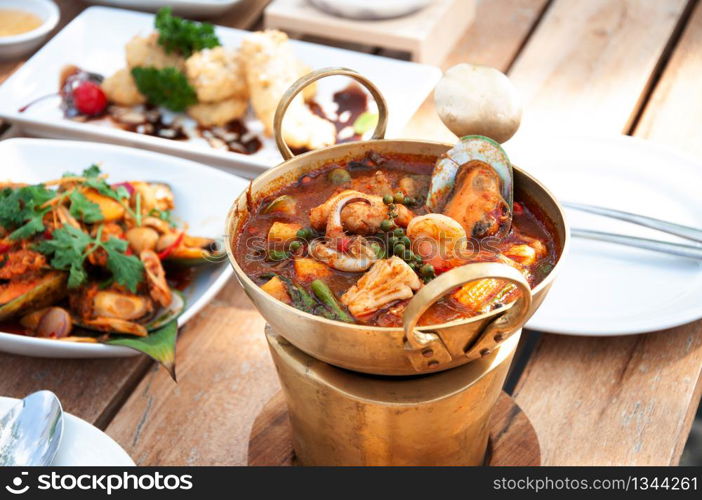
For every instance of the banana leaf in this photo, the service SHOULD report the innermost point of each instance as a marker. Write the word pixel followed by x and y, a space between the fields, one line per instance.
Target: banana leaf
pixel 159 344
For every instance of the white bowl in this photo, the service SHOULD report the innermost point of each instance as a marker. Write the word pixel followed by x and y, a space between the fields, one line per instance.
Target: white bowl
pixel 370 9
pixel 13 47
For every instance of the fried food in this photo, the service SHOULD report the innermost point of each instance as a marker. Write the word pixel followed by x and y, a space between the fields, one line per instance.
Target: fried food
pixel 271 67
pixel 121 89
pixel 216 74
pixel 219 113
pixel 146 52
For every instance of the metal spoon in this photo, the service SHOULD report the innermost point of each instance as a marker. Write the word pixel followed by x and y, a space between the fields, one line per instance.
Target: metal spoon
pixel 30 433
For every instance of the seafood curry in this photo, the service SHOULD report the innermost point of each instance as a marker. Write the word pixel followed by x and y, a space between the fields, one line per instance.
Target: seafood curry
pixel 354 241
pixel 81 259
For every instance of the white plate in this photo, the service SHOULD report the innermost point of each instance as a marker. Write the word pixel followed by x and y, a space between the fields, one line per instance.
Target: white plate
pixel 95 41
pixel 195 9
pixel 203 196
pixel 82 444
pixel 605 289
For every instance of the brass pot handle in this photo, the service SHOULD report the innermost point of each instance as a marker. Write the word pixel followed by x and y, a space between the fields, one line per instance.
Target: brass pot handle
pixel 312 77
pixel 426 350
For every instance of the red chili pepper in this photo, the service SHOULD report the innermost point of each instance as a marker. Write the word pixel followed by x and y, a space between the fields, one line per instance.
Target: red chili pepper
pixel 518 208
pixel 4 247
pixel 169 250
pixel 129 251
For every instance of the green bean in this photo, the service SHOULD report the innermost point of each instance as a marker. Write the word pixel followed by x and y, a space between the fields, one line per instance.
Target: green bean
pixel 326 296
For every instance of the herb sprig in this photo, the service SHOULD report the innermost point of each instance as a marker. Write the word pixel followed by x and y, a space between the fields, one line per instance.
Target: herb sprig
pixel 182 36
pixel 22 209
pixel 165 87
pixel 69 247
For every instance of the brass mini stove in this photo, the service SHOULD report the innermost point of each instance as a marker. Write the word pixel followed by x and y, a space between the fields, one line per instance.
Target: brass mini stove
pixel 345 418
pixel 370 395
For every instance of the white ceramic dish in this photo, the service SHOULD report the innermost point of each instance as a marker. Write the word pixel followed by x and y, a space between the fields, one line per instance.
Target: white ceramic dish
pixel 195 9
pixel 606 289
pixel 370 9
pixel 82 444
pixel 203 196
pixel 95 41
pixel 13 47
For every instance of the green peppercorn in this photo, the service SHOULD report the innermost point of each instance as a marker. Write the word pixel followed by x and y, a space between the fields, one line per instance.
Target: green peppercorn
pixel 388 199
pixel 427 270
pixel 295 246
pixel 399 232
pixel 413 265
pixel 398 250
pixel 405 241
pixel 408 200
pixel 387 225
pixel 399 197
pixel 407 256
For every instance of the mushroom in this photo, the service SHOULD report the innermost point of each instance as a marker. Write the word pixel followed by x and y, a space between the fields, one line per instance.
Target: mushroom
pixel 478 100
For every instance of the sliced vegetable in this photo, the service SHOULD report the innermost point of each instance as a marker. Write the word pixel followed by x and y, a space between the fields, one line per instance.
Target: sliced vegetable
pixel 283 232
pixel 326 296
pixel 277 289
pixel 284 204
pixel 339 176
pixel 307 269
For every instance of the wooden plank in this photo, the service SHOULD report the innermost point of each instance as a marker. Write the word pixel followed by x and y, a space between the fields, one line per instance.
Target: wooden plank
pixel 498 32
pixel 225 373
pixel 90 389
pixel 672 115
pixel 590 62
pixel 618 400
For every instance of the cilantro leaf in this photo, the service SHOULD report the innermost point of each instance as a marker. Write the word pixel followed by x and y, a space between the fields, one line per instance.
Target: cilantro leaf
pixel 180 35
pixel 84 209
pixel 20 210
pixel 33 226
pixel 10 208
pixel 68 246
pixel 92 171
pixel 165 87
pixel 127 270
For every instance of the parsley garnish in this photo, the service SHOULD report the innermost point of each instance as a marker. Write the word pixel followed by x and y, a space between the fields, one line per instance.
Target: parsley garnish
pixel 166 87
pixel 69 247
pixel 180 35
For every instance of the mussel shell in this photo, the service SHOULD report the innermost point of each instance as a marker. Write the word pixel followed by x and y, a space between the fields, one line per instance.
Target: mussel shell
pixel 49 289
pixel 159 318
pixel 470 148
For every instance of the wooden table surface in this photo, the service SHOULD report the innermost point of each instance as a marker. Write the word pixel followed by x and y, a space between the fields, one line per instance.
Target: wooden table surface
pixel 593 66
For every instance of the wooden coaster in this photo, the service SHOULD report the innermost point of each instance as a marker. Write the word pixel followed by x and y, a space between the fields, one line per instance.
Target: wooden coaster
pixel 513 440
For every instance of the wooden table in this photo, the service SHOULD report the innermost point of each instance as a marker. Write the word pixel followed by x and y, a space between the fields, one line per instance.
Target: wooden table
pixel 609 67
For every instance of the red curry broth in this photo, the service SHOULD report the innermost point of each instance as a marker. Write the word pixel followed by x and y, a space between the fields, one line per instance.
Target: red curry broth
pixel 314 188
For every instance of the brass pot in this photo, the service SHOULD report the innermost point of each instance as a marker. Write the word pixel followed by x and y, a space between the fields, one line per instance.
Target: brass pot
pixel 384 350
